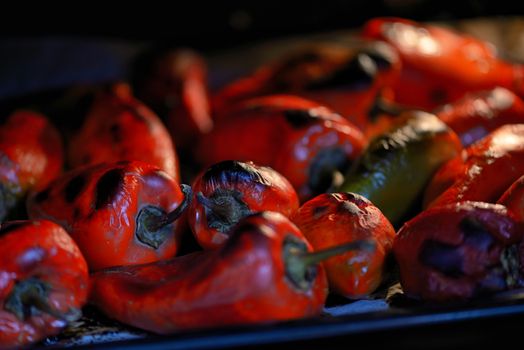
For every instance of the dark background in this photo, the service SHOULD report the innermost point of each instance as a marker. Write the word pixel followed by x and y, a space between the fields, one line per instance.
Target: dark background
pixel 212 25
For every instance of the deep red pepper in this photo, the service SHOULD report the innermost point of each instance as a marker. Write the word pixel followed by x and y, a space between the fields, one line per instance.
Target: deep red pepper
pixel 477 114
pixel 174 84
pixel 345 79
pixel 43 281
pixel 306 143
pixel 440 65
pixel 513 198
pixel 230 190
pixel 257 276
pixel 484 170
pixel 31 155
pixel 119 214
pixel 336 218
pixel 119 127
pixel 460 251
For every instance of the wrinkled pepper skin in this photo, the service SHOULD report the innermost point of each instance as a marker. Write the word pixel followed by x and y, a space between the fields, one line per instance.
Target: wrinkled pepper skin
pixel 488 168
pixel 43 281
pixel 230 190
pixel 459 251
pixel 306 143
pixel 31 155
pixel 119 127
pixel 244 282
pixel 396 167
pixel 116 213
pixel 336 218
pixel 440 65
pixel 346 79
pixel 477 114
pixel 174 84
pixel 513 198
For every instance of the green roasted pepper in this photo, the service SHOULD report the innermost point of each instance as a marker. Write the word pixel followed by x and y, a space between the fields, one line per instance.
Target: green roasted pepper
pixel 395 168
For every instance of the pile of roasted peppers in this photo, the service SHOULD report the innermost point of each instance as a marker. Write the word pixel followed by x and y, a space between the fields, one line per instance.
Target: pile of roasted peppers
pixel 330 170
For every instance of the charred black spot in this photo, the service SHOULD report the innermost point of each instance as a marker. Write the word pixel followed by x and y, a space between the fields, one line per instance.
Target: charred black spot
pixel 325 166
pixel 234 172
pixel 299 118
pixel 74 187
pixel 443 257
pixel 358 74
pixel 319 211
pixel 108 186
pixel 116 133
pixel 475 234
pixel 7 227
pixel 42 195
pixel 438 96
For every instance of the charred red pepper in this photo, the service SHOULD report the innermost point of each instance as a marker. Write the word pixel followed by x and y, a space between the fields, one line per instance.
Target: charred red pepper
pixel 484 170
pixel 336 218
pixel 230 190
pixel 440 65
pixel 477 114
pixel 265 272
pixel 119 214
pixel 345 79
pixel 174 84
pixel 308 144
pixel 460 251
pixel 43 281
pixel 119 127
pixel 31 155
pixel 513 198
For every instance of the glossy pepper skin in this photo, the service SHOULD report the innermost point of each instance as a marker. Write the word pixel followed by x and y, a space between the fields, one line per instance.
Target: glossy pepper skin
pixel 43 281
pixel 174 84
pixel 305 142
pixel 31 155
pixel 119 214
pixel 119 127
pixel 477 114
pixel 246 281
pixel 459 251
pixel 230 190
pixel 396 167
pixel 440 65
pixel 346 79
pixel 336 218
pixel 483 171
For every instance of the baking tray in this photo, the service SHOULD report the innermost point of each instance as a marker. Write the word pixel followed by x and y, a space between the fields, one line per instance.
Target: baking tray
pixel 385 319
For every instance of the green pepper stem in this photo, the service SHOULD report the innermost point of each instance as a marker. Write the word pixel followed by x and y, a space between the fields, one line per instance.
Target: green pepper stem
pixel 313 258
pixel 155 225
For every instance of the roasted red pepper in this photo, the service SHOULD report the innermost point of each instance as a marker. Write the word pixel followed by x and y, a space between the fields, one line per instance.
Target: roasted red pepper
pixel 513 198
pixel 43 281
pixel 440 65
pixel 345 79
pixel 231 190
pixel 460 251
pixel 308 144
pixel 336 218
pixel 119 214
pixel 174 84
pixel 119 127
pixel 258 276
pixel 31 155
pixel 484 170
pixel 477 114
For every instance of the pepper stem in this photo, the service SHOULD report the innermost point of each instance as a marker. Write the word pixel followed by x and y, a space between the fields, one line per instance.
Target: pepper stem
pixel 223 209
pixel 152 222
pixel 300 263
pixel 219 210
pixel 30 296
